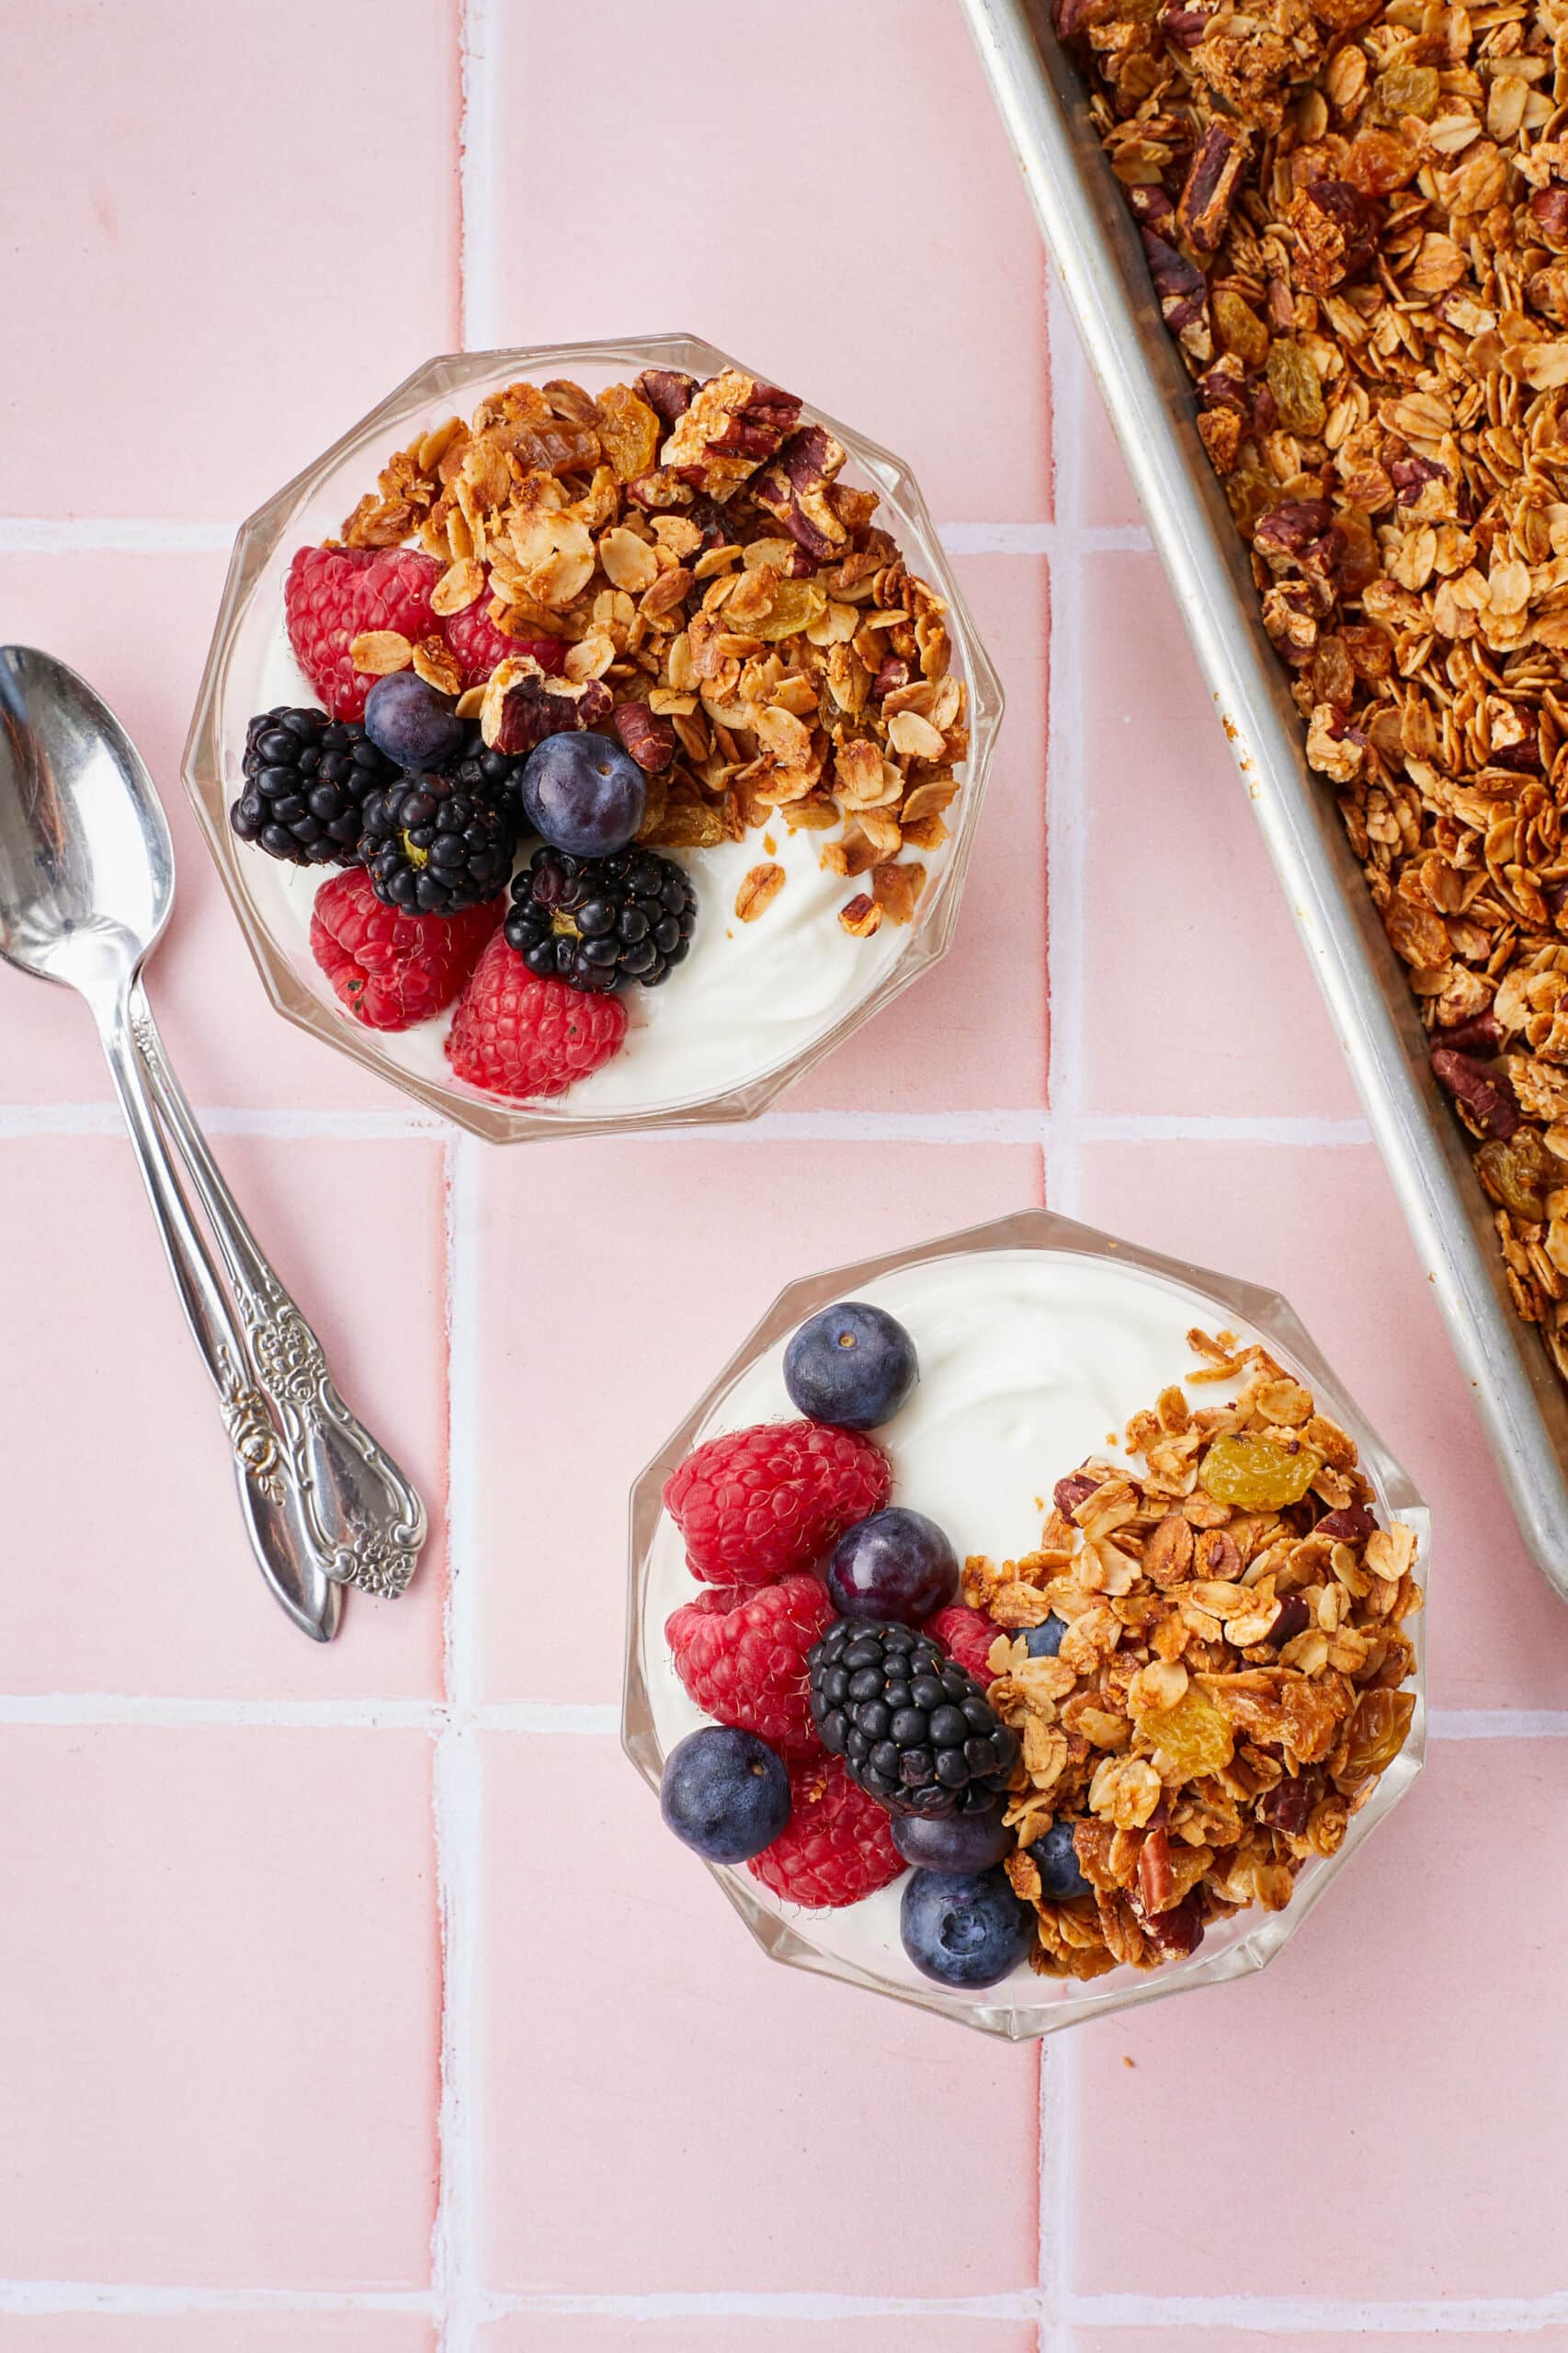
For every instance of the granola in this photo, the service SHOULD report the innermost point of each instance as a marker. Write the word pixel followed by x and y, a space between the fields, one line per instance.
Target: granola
pixel 1228 1689
pixel 767 653
pixel 1356 218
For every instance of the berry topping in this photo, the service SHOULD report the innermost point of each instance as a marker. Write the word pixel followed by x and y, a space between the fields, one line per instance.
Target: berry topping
pixel 599 923
pixel 306 779
pixel 334 594
pixel 583 793
pixel 413 726
pixel 953 1842
pixel 838 1847
pixel 914 1729
pixel 1056 1859
pixel 852 1364
pixel 1044 1641
pixel 965 1634
pixel 898 1564
pixel 479 644
pixel 518 1036
pixel 724 1794
pixel 390 969
pixel 757 1503
pixel 433 848
pixel 745 1661
pixel 964 1928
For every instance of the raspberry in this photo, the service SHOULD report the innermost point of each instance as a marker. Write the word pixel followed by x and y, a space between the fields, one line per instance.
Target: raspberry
pixel 745 1662
pixel 479 644
pixel 390 969
pixel 759 1502
pixel 966 1635
pixel 837 1844
pixel 333 594
pixel 514 1035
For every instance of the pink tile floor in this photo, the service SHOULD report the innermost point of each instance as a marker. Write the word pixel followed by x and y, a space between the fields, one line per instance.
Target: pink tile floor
pixel 353 2002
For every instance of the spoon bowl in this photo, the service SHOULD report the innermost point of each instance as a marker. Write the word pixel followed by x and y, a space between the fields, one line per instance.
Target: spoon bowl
pixel 86 865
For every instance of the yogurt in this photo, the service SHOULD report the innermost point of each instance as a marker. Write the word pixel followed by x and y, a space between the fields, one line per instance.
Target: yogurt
pixel 749 997
pixel 1029 1361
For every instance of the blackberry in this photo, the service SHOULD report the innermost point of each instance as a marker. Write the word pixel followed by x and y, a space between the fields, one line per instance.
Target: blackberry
pixel 307 778
pixel 433 848
pixel 914 1727
pixel 489 775
pixel 599 923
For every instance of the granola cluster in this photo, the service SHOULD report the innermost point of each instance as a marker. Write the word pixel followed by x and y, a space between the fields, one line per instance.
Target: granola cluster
pixel 1356 218
pixel 726 602
pixel 1228 1687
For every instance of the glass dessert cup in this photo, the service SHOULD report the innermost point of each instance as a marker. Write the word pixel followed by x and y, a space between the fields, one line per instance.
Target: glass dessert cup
pixel 656 1712
pixel 311 508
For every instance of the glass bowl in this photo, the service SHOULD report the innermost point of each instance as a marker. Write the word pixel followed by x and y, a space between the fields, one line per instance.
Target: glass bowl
pixel 656 1712
pixel 311 508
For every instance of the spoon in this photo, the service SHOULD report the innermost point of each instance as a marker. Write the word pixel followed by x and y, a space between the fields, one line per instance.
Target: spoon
pixel 87 883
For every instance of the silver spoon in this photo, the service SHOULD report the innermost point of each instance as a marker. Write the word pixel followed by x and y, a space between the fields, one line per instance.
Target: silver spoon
pixel 87 883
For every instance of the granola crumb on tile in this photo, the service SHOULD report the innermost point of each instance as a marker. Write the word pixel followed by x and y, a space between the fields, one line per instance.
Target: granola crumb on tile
pixel 1229 1687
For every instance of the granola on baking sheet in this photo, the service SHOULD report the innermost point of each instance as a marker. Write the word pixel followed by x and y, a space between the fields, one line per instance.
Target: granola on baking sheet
pixel 1355 219
pixel 727 603
pixel 1227 1690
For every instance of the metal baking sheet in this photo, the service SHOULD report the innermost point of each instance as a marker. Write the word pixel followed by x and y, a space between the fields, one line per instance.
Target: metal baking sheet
pixel 1100 264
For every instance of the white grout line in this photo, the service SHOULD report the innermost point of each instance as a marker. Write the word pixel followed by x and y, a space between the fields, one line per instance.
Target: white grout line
pixel 476 178
pixel 1264 2315
pixel 1166 1127
pixel 458 1777
pixel 111 535
pixel 1044 538
pixel 114 2298
pixel 1065 782
pixel 1287 2315
pixel 1006 1125
pixel 1497 1723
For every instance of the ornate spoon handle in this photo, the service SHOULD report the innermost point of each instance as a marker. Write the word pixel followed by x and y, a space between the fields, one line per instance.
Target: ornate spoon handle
pixel 364 1520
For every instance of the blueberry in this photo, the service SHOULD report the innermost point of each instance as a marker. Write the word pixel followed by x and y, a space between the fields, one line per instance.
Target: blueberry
pixel 952 1842
pixel 964 1928
pixel 1044 1642
pixel 1056 1859
pixel 724 1794
pixel 898 1564
pixel 853 1364
pixel 411 723
pixel 584 795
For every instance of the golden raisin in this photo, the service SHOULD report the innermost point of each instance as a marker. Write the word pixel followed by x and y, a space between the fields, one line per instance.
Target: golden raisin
pixel 1191 1739
pixel 1239 328
pixel 1293 381
pixel 1407 89
pixel 1377 1734
pixel 1258 1473
pixel 1519 1172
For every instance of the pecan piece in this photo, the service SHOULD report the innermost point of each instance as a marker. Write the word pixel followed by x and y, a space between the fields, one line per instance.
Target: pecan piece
pixel 532 711
pixel 1204 205
pixel 1181 286
pixel 650 739
pixel 1351 1524
pixel 1549 209
pixel 1287 1806
pixel 668 391
pixel 1180 1930
pixel 1069 1493
pixel 795 489
pixel 1486 1099
pixel 1481 1036
pixel 1293 1619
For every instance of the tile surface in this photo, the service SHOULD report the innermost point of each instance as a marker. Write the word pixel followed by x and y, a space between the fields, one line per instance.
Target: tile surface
pixel 689 2022
pixel 355 2002
pixel 201 1968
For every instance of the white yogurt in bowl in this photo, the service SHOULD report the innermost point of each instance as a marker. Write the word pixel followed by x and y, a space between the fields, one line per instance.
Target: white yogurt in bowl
pixel 1032 1359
